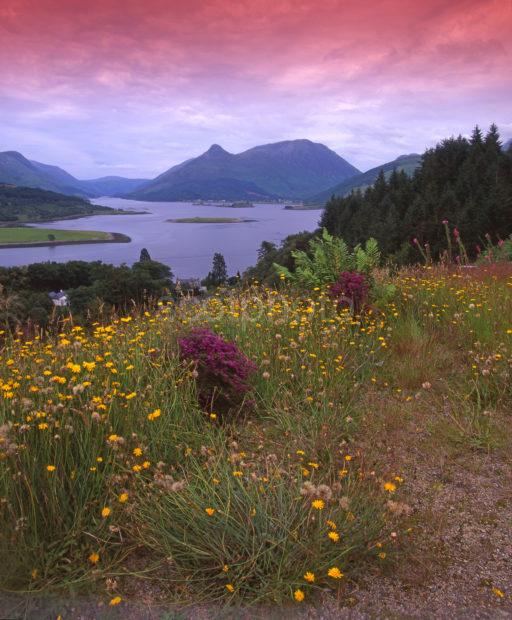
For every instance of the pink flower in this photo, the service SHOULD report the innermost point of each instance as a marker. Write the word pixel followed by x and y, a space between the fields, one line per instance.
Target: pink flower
pixel 500 243
pixel 415 241
pixel 445 222
pixel 456 233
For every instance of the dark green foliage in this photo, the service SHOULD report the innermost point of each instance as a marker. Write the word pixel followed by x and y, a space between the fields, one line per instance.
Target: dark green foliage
pixel 219 273
pixel 268 254
pixel 93 289
pixel 22 204
pixel 144 255
pixel 467 182
pixel 405 163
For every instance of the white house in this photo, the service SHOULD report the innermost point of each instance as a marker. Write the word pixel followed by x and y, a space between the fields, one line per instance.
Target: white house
pixel 59 299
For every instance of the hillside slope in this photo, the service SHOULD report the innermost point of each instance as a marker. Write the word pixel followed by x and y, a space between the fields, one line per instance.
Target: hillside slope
pixel 29 204
pixel 16 169
pixel 407 163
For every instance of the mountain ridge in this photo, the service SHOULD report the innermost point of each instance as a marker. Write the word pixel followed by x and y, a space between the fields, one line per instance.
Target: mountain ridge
pixel 16 169
pixel 286 169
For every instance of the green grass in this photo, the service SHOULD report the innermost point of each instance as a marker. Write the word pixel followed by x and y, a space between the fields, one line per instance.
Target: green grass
pixel 41 235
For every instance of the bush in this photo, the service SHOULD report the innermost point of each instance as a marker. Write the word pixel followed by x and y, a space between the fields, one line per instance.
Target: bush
pixel 222 371
pixel 350 290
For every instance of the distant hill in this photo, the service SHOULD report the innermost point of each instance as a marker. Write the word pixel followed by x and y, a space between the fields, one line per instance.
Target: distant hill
pixel 407 163
pixel 507 145
pixel 18 170
pixel 290 169
pixel 29 204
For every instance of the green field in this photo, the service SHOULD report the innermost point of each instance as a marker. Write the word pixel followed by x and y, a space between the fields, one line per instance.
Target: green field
pixel 49 235
pixel 210 220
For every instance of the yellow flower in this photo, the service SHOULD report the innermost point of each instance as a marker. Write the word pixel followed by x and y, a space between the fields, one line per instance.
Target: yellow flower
pixel 146 464
pixel 105 512
pixel 123 498
pixel 137 452
pixel 298 595
pixel 115 601
pixel 390 487
pixel 335 573
pixel 237 474
pixel 309 577
pixel 334 536
pixel 382 555
pixel 331 524
pixel 318 504
pixel 50 467
pixel 209 511
pixel 131 395
pixel 498 593
pixel 153 416
pixel 94 558
pixel 230 587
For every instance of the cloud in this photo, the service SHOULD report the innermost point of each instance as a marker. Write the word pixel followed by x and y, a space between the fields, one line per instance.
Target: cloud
pixel 89 85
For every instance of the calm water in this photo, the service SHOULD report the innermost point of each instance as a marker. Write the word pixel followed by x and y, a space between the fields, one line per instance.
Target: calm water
pixel 187 248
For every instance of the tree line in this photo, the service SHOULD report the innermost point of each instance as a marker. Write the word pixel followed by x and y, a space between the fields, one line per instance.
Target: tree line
pixel 465 182
pixel 94 289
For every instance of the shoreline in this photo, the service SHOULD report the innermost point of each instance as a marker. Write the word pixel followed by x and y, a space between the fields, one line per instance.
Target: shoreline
pixel 21 223
pixel 114 238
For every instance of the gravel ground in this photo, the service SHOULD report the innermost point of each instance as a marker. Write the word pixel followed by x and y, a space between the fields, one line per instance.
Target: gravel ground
pixel 456 563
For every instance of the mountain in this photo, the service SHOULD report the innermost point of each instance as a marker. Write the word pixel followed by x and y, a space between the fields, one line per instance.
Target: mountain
pixel 291 169
pixel 18 170
pixel 407 163
pixel 507 145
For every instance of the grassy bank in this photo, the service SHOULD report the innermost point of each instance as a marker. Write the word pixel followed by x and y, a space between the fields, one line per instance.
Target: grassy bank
pixel 20 236
pixel 112 474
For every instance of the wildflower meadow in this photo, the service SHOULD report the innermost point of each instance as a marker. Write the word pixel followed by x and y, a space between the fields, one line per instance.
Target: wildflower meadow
pixel 229 450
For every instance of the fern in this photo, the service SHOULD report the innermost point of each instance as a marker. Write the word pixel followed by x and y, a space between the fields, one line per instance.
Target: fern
pixel 328 256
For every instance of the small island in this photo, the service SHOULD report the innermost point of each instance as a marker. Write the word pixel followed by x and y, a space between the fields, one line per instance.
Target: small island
pixel 20 237
pixel 210 220
pixel 311 207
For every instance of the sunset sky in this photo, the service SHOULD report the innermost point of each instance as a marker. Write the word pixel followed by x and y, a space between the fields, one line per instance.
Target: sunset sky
pixel 105 87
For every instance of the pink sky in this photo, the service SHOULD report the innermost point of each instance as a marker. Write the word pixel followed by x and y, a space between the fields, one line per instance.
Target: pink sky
pixel 106 87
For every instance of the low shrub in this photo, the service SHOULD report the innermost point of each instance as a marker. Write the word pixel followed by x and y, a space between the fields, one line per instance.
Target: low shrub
pixel 350 290
pixel 221 370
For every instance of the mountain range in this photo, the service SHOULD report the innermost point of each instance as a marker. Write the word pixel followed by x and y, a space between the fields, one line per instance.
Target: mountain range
pixel 292 169
pixel 16 169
